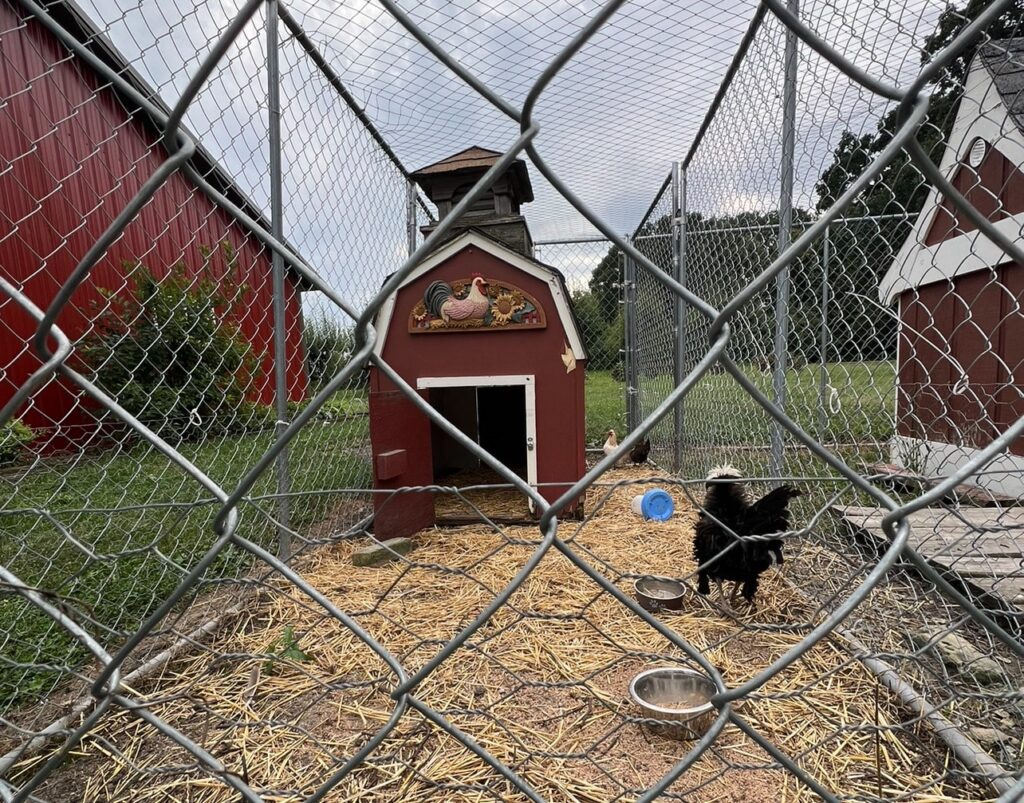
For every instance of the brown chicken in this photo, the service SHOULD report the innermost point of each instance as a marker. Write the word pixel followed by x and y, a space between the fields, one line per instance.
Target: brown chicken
pixel 638 454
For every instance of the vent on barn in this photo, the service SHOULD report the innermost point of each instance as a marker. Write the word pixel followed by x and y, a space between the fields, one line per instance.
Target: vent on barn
pixel 507 372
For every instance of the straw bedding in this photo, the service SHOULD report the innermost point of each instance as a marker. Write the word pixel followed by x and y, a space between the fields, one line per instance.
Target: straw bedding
pixel 542 686
pixel 496 503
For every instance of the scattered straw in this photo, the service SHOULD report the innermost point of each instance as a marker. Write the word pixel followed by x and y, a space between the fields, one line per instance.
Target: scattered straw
pixel 495 503
pixel 542 686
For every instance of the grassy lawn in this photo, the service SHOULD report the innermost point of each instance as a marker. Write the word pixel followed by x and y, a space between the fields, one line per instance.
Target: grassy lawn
pixel 858 404
pixel 140 524
pixel 606 406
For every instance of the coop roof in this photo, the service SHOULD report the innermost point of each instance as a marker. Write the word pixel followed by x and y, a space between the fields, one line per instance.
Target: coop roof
pixel 1004 61
pixel 75 21
pixel 473 160
pixel 992 109
pixel 474 237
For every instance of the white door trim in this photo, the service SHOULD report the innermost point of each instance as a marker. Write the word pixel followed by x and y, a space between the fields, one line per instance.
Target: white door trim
pixel 528 383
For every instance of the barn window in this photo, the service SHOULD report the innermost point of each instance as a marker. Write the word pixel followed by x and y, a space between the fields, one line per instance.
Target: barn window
pixel 977 152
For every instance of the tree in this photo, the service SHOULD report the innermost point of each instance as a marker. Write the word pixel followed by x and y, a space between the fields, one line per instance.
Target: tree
pixel 605 282
pixel 172 353
pixel 601 354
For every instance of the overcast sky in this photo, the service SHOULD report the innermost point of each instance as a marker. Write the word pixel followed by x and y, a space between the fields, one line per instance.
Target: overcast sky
pixel 612 121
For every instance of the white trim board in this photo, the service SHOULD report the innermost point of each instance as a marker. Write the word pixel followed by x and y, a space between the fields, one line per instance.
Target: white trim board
pixel 529 385
pixel 981 113
pixel 516 260
pixel 1003 475
pixel 424 382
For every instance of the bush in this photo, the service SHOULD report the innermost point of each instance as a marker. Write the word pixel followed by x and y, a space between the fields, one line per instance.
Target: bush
pixel 171 354
pixel 14 437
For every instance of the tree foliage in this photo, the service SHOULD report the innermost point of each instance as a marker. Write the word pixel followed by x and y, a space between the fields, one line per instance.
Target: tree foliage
pixel 15 436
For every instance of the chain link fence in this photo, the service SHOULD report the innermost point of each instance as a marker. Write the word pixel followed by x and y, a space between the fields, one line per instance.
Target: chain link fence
pixel 189 288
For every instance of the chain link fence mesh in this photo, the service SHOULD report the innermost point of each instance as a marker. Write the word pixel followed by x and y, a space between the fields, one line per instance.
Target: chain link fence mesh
pixel 182 616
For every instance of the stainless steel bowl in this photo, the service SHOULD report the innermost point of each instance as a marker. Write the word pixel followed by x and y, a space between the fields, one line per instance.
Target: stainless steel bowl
pixel 680 696
pixel 656 593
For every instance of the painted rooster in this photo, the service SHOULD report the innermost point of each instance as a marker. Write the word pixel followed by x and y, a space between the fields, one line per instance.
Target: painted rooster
pixel 440 301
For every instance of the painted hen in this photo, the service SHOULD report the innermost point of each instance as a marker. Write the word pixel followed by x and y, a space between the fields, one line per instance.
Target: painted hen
pixel 719 553
pixel 440 301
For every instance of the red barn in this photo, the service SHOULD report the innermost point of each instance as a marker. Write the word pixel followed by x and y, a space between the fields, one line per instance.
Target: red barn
pixel 73 152
pixel 486 334
pixel 961 336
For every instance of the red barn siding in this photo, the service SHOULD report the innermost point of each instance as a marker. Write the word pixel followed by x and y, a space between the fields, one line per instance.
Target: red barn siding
pixel 976 318
pixel 995 188
pixel 559 396
pixel 71 157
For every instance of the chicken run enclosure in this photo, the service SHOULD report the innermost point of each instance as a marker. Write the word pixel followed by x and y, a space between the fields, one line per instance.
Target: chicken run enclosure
pixel 789 238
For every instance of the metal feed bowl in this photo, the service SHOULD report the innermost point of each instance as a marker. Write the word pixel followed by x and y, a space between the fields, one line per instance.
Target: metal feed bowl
pixel 681 696
pixel 656 593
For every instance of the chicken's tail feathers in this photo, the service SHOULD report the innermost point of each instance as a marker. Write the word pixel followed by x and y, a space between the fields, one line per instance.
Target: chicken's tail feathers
pixel 770 513
pixel 435 296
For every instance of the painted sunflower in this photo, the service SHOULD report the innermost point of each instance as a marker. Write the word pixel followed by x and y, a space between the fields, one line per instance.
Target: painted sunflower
pixel 504 307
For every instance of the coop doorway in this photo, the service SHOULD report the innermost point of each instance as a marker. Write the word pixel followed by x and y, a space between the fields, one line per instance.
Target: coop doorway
pixel 498 413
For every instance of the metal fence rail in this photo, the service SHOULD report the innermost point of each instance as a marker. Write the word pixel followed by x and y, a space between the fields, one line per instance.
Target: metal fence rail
pixel 172 628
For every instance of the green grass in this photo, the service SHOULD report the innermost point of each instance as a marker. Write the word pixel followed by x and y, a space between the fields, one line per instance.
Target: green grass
pixel 719 411
pixel 606 405
pixel 140 524
pixel 863 401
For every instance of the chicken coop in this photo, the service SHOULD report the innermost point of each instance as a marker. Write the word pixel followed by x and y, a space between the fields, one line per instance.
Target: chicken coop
pixel 958 294
pixel 487 336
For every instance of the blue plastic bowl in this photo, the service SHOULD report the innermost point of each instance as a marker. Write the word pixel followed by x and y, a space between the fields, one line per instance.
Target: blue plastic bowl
pixel 657 505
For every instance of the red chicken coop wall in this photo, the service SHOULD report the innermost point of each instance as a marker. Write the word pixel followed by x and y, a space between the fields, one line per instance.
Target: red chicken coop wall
pixel 976 322
pixel 396 424
pixel 969 321
pixel 73 158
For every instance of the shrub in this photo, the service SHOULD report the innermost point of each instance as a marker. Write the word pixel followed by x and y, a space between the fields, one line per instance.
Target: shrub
pixel 14 437
pixel 171 354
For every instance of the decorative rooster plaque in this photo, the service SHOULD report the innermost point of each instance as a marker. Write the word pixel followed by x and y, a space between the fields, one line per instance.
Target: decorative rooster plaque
pixel 475 303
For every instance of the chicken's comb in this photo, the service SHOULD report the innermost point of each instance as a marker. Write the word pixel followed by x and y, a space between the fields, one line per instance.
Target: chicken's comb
pixel 476 276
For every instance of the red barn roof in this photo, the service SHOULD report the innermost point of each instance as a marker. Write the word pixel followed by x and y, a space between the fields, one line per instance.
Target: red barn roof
pixel 546 273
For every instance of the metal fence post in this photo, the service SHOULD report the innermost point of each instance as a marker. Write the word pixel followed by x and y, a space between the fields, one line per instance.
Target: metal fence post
pixel 679 263
pixel 280 310
pixel 782 287
pixel 826 290
pixel 629 344
pixel 410 215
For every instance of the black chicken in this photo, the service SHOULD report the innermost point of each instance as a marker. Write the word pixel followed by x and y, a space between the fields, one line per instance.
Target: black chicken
pixel 720 554
pixel 638 454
